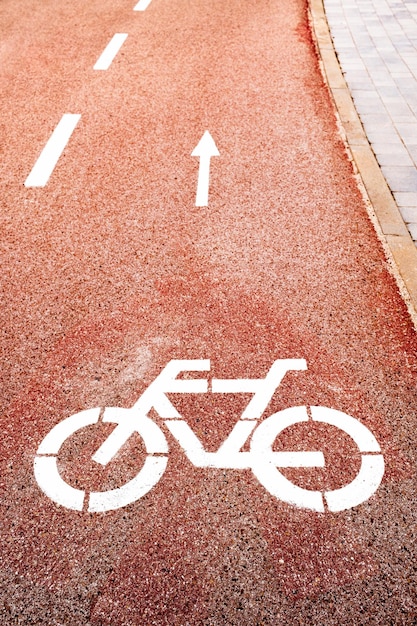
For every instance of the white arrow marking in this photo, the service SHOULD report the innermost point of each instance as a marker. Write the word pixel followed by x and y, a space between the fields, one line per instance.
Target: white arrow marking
pixel 142 5
pixel 205 149
pixel 110 51
pixel 49 156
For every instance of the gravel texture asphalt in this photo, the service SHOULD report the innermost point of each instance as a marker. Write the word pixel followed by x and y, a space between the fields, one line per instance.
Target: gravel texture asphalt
pixel 109 271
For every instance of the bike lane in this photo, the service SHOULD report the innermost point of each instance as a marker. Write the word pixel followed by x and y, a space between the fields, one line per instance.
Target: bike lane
pixel 111 271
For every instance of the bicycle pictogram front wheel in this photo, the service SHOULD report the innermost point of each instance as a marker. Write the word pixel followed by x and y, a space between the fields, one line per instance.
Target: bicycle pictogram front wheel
pixel 265 462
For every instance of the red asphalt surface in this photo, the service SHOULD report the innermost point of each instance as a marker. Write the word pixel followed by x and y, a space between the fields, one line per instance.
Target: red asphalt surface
pixel 110 271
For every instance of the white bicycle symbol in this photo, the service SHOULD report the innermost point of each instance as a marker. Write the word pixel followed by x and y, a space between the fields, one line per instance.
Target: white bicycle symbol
pixel 261 459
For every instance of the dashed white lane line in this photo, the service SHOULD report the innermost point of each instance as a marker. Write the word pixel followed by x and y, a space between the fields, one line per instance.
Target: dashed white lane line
pixel 142 5
pixel 49 156
pixel 110 51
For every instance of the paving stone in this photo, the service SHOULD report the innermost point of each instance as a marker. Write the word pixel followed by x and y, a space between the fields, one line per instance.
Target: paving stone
pixel 401 178
pixel 413 230
pixel 395 159
pixel 382 148
pixel 406 199
pixel 388 135
pixel 397 107
pixel 412 149
pixel 409 214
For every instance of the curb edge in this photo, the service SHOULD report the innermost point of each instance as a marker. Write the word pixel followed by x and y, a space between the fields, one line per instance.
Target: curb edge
pixel 399 248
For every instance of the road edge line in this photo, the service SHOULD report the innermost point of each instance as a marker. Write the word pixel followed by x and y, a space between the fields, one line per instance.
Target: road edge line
pixel 399 248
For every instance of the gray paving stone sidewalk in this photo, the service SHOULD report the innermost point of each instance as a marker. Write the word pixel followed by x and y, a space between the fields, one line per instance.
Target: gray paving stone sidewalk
pixel 376 44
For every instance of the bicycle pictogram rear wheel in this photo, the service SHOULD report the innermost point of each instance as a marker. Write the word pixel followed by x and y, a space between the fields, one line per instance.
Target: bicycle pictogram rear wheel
pixel 52 484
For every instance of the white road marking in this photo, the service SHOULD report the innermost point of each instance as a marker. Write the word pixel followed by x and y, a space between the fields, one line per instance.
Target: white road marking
pixel 46 466
pixel 142 5
pixel 49 156
pixel 205 149
pixel 110 51
pixel 263 388
pixel 266 469
pixel 261 458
